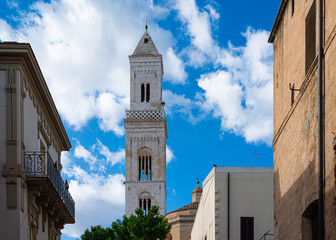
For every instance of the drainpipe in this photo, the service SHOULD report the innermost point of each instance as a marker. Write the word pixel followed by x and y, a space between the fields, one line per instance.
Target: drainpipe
pixel 228 210
pixel 320 127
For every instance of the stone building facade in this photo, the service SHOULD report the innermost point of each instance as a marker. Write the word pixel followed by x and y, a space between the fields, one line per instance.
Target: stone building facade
pixel 295 38
pixel 146 131
pixel 34 200
pixel 236 203
pixel 182 219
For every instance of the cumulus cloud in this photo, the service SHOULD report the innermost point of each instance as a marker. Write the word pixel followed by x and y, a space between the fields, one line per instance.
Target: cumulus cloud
pixel 241 92
pixel 238 89
pixel 82 153
pixel 174 67
pixel 169 155
pixel 203 48
pixel 110 157
pixel 82 49
pixel 183 106
pixel 198 25
pixel 214 15
pixel 93 188
pixel 99 155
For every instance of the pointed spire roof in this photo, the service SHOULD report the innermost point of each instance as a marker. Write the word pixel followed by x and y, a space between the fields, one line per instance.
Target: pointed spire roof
pixel 145 46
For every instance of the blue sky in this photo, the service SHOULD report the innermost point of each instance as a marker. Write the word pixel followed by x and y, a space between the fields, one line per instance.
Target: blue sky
pixel 217 88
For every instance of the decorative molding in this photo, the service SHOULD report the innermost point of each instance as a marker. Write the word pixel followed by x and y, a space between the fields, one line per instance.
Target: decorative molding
pixel 145 71
pixel 145 114
pixel 144 138
pixel 22 58
pixel 52 233
pixel 12 171
pixel 277 21
pixel 33 211
pixel 46 136
pixel 43 125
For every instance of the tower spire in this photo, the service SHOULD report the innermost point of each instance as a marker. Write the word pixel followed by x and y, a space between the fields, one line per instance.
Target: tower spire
pixel 146 27
pixel 145 144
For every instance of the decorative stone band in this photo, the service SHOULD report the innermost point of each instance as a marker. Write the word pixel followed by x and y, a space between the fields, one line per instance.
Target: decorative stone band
pixel 147 114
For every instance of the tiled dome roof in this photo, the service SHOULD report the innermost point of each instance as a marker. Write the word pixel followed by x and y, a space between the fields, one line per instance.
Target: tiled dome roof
pixel 198 190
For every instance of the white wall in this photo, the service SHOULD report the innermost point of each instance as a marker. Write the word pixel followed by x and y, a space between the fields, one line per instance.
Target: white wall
pixel 205 216
pixel 251 195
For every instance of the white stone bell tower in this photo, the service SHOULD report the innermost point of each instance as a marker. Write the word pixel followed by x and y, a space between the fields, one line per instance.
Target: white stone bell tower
pixel 146 131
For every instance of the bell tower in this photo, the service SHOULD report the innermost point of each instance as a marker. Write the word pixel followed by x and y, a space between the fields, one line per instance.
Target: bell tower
pixel 146 131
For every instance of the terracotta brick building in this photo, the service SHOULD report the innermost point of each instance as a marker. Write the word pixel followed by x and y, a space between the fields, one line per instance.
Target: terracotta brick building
pixel 296 42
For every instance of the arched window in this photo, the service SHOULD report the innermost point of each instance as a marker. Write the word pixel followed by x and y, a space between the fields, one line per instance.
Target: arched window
pixel 309 223
pixel 142 92
pixel 147 92
pixel 145 164
pixel 145 201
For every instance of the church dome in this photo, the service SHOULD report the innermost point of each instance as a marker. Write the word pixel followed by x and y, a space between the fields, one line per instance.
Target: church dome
pixel 197 193
pixel 198 190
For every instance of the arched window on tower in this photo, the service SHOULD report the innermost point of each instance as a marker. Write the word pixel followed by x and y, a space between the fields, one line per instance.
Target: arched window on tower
pixel 145 164
pixel 145 201
pixel 142 92
pixel 147 92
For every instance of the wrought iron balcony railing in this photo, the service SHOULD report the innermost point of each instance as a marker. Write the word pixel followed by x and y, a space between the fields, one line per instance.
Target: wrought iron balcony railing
pixel 40 164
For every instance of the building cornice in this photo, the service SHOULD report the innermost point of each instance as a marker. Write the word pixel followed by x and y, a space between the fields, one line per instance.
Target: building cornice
pixel 23 53
pixel 277 21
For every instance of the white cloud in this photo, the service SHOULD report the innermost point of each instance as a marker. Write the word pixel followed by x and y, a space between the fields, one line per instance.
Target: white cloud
pixel 110 112
pixel 66 162
pixel 83 47
pixel 111 157
pixel 6 31
pixel 185 107
pixel 214 15
pixel 174 67
pixel 82 153
pixel 239 89
pixel 95 188
pixel 12 4
pixel 203 49
pixel 169 155
pixel 198 25
pixel 99 155
pixel 241 92
pixel 224 97
pixel 91 190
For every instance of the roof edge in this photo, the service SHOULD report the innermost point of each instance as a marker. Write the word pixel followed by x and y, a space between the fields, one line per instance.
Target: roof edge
pixel 190 206
pixel 277 21
pixel 32 64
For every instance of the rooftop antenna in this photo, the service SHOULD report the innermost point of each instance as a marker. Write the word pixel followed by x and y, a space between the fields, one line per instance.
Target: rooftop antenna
pixel 256 157
pixel 146 27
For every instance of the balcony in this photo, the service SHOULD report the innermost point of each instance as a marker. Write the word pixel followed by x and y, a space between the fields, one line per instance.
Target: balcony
pixel 42 175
